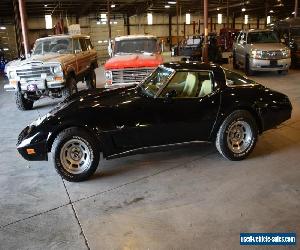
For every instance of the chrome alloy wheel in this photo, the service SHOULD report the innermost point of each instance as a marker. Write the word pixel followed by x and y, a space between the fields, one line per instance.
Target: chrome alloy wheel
pixel 75 156
pixel 239 137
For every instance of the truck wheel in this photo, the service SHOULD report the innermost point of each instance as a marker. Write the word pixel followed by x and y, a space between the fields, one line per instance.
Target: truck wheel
pixel 282 72
pixel 248 70
pixel 71 87
pixel 75 154
pixel 91 80
pixel 22 102
pixel 237 135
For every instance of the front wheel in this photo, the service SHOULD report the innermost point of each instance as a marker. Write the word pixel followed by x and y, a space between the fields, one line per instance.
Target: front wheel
pixel 75 154
pixel 91 80
pixel 237 135
pixel 22 102
pixel 71 87
pixel 234 62
pixel 282 72
pixel 248 70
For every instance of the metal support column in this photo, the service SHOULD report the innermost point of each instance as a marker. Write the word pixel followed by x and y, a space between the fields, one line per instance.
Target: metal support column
pixel 170 31
pixel 17 28
pixel 177 20
pixel 110 50
pixel 23 17
pixel 205 46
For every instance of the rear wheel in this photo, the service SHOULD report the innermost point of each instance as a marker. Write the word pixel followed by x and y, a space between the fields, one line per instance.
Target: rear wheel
pixel 75 154
pixel 71 87
pixel 237 135
pixel 22 102
pixel 91 80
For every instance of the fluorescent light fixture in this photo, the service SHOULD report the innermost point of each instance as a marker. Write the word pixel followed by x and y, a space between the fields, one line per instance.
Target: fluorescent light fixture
pixel 113 6
pixel 5 49
pixel 188 18
pixel 218 8
pixel 243 9
pixel 2 28
pixel 48 20
pixel 172 2
pixel 100 42
pixel 45 5
pixel 167 6
pixel 98 22
pixel 219 18
pixel 246 19
pixel 149 18
pixel 293 13
pixel 268 19
pixel 271 11
pixel 115 22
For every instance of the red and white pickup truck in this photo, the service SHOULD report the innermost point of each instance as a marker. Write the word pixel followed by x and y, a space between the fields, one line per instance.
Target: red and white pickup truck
pixel 134 58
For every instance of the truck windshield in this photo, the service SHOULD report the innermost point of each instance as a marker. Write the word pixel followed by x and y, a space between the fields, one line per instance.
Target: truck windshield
pixel 53 45
pixel 131 46
pixel 263 37
pixel 156 81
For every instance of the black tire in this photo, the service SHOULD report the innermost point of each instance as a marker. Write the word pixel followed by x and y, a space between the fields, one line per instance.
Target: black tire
pixel 22 102
pixel 80 143
pixel 243 121
pixel 248 71
pixel 234 63
pixel 71 87
pixel 91 79
pixel 282 72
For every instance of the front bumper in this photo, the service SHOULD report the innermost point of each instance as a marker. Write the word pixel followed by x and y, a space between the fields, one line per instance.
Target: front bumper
pixel 32 147
pixel 40 85
pixel 266 65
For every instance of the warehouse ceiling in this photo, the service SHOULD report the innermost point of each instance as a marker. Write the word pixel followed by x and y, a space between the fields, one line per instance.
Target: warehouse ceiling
pixel 278 8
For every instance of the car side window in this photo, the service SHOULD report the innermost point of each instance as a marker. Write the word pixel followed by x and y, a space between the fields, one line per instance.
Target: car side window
pixel 242 38
pixel 83 44
pixel 76 45
pixel 89 44
pixel 191 84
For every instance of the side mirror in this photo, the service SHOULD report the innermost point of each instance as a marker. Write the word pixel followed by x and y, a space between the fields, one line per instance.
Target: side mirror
pixel 172 93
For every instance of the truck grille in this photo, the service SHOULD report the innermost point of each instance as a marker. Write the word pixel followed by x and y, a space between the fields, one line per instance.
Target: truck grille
pixel 276 54
pixel 34 72
pixel 130 75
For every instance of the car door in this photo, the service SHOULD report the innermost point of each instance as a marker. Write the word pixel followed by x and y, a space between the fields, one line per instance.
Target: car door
pixel 82 57
pixel 184 111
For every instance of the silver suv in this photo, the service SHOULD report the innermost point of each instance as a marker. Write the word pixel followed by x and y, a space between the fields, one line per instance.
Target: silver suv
pixel 260 50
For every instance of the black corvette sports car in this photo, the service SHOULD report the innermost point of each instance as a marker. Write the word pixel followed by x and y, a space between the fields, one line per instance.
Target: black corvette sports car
pixel 177 104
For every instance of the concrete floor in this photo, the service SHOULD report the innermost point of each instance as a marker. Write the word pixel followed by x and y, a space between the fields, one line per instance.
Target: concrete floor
pixel 190 198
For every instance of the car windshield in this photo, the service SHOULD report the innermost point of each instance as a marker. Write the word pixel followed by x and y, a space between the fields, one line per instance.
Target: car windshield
pixel 53 45
pixel 154 82
pixel 233 78
pixel 131 46
pixel 263 37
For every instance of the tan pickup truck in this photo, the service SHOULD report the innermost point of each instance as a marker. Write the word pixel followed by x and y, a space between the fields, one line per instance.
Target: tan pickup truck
pixel 55 66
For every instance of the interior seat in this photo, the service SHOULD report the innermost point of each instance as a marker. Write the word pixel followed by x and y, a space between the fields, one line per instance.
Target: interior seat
pixel 206 88
pixel 190 87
